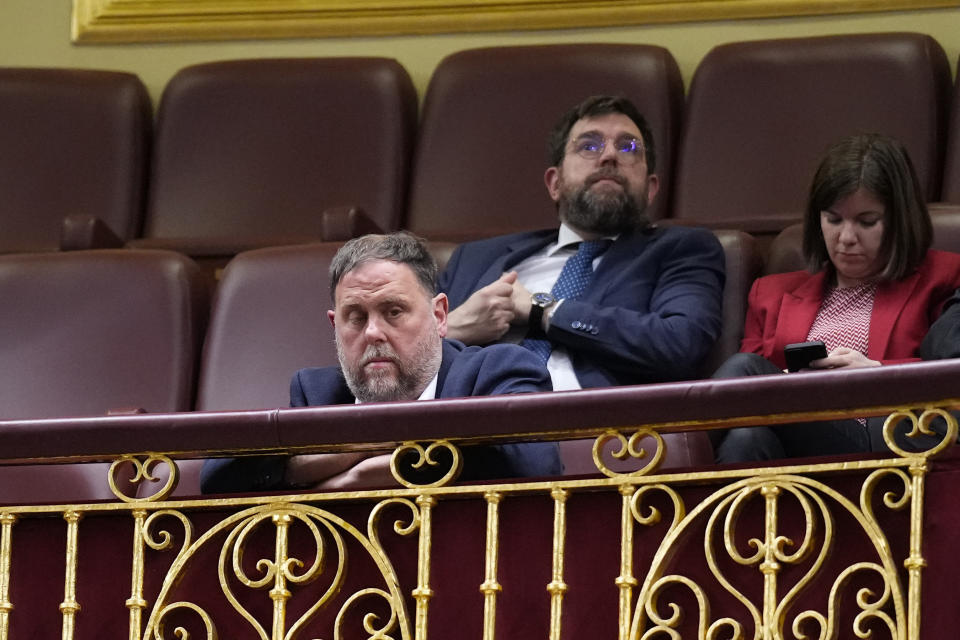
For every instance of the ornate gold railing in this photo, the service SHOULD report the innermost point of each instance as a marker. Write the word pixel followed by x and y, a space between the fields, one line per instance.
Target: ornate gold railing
pixel 832 549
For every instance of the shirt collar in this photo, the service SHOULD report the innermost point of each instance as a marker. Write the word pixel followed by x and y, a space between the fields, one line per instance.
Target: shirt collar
pixel 567 237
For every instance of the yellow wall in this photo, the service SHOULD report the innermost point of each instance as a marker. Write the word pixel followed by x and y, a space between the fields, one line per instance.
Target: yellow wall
pixel 37 33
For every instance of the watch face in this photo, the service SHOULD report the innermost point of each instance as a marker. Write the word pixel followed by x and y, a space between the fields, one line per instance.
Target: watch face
pixel 542 299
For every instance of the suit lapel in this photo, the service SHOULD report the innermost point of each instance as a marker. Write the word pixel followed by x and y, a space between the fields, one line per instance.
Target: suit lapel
pixel 448 353
pixel 798 310
pixel 888 304
pixel 626 248
pixel 520 249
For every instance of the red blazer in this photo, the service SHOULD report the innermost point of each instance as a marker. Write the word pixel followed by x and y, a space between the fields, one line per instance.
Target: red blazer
pixel 782 308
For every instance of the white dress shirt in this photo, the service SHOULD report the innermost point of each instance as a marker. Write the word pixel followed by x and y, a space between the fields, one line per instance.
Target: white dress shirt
pixel 539 273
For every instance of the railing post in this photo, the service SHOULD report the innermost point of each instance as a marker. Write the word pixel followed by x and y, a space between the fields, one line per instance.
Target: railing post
pixel 7 521
pixel 626 582
pixel 557 586
pixel 135 603
pixel 423 592
pixel 490 587
pixel 69 607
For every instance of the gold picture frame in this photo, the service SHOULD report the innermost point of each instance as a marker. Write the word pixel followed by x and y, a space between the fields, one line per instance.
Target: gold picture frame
pixel 115 21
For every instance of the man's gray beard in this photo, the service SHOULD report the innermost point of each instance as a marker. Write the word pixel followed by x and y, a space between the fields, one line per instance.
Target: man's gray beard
pixel 605 212
pixel 412 377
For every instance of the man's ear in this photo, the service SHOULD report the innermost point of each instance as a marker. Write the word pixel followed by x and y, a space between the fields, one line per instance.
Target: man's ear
pixel 440 308
pixel 653 187
pixel 551 178
pixel 332 314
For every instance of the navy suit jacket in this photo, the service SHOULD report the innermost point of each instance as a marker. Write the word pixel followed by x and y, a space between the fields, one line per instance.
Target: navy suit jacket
pixel 464 371
pixel 650 314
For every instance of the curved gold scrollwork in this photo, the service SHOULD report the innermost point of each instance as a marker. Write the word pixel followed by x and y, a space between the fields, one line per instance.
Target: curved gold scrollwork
pixel 326 546
pixel 159 632
pixel 426 457
pixel 166 538
pixel 921 426
pixel 143 469
pixel 770 551
pixel 370 619
pixel 652 515
pixel 629 448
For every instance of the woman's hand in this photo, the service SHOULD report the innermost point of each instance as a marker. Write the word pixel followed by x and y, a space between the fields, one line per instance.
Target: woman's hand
pixel 844 358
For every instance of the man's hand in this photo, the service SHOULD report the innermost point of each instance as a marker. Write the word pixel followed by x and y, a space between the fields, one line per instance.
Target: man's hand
pixel 844 358
pixel 487 314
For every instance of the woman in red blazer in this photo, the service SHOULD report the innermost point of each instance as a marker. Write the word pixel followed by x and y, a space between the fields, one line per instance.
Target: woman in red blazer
pixel 872 291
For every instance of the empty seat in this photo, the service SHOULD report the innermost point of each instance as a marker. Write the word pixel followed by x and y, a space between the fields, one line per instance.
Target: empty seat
pixel 761 114
pixel 481 152
pixel 269 319
pixel 250 153
pixel 89 332
pixel 951 163
pixel 72 142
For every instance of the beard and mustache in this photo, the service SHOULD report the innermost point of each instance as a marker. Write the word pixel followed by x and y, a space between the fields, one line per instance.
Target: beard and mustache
pixel 384 385
pixel 603 211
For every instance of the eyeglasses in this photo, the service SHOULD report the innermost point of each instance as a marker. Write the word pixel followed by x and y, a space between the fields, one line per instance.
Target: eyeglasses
pixel 629 149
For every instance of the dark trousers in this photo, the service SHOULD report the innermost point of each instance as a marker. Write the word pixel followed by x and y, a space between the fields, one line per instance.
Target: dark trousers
pixel 797 440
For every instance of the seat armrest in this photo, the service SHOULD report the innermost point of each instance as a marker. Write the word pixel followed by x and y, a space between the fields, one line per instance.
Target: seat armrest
pixel 80 231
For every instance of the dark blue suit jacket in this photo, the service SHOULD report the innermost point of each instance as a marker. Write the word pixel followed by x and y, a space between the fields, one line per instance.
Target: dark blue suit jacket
pixel 651 313
pixel 943 338
pixel 464 371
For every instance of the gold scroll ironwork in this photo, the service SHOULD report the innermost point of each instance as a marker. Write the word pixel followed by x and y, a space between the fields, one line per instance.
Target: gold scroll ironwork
pixel 781 561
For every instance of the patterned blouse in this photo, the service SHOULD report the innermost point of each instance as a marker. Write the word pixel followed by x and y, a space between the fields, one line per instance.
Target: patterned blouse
pixel 844 318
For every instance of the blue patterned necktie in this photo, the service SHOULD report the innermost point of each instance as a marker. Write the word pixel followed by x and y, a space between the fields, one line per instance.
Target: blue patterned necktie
pixel 570 285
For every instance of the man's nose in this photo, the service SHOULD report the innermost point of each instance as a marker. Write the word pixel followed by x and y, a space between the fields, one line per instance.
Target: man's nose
pixel 609 154
pixel 374 330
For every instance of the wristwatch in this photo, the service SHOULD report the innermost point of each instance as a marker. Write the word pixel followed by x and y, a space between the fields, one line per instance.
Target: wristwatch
pixel 539 302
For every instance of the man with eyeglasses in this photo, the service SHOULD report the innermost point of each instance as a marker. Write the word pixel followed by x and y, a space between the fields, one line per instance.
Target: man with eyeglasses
pixel 607 299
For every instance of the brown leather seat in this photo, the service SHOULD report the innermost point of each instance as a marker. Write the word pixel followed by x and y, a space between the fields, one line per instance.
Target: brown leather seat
pixel 481 151
pixel 250 153
pixel 743 265
pixel 72 142
pixel 760 115
pixel 951 163
pixel 92 332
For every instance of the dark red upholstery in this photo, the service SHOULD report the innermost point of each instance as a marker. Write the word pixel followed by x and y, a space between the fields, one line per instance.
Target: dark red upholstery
pixel 760 115
pixel 249 153
pixel 269 319
pixel 743 265
pixel 90 332
pixel 951 162
pixel 72 142
pixel 481 152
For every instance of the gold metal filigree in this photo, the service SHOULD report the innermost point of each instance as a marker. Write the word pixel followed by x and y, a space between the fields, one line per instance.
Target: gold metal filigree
pixel 7 521
pixel 921 426
pixel 142 474
pixel 770 552
pixel 280 573
pixel 629 448
pixel 426 457
pixel 180 632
